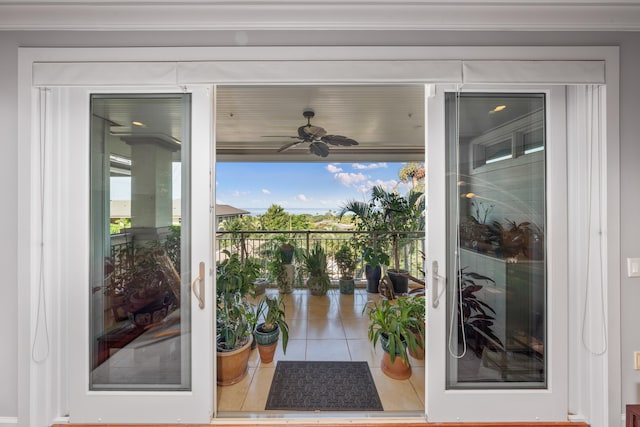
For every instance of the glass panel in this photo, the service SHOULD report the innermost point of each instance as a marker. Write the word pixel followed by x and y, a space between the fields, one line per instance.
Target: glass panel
pixel 139 309
pixel 496 222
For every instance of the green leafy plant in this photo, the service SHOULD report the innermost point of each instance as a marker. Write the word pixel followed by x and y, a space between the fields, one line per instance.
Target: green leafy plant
pixel 345 258
pixel 315 264
pixel 476 314
pixel 272 310
pixel 394 323
pixel 139 269
pixel 387 217
pixel 234 281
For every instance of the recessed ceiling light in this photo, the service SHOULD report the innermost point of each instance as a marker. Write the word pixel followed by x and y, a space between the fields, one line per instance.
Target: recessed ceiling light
pixel 138 124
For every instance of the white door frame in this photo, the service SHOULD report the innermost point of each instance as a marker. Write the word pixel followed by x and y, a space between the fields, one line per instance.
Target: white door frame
pixel 464 404
pixel 67 244
pixel 41 392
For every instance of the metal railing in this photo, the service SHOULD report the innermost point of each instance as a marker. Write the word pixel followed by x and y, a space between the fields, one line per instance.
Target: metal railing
pixel 259 244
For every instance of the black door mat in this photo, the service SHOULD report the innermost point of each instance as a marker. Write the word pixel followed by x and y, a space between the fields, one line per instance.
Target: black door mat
pixel 323 386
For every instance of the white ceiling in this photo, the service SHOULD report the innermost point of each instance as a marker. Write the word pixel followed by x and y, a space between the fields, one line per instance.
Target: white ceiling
pixel 387 121
pixel 253 122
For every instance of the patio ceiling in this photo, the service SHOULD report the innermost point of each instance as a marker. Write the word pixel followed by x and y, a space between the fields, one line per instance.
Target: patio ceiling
pixel 253 122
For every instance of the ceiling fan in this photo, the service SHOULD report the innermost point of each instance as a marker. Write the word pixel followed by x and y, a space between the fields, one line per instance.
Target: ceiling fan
pixel 317 138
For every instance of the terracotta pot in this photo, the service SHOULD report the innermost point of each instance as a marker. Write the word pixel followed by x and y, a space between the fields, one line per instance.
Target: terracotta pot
pixel 419 355
pixel 267 342
pixel 232 366
pixel 398 369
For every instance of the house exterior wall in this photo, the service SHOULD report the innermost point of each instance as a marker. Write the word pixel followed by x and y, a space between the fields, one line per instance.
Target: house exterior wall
pixel 10 41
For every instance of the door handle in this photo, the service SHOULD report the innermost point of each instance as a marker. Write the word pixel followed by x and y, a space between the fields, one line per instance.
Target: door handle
pixel 435 278
pixel 199 291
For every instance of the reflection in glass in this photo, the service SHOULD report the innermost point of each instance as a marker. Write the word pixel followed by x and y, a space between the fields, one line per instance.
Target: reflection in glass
pixel 139 304
pixel 496 222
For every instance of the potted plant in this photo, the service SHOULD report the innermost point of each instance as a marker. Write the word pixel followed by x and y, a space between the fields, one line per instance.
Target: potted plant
pixel 417 310
pixel 315 264
pixel 374 258
pixel 368 219
pixel 400 214
pixel 476 314
pixel 387 217
pixel 346 265
pixel 281 265
pixel 266 333
pixel 234 281
pixel 144 283
pixel 392 324
pixel 117 270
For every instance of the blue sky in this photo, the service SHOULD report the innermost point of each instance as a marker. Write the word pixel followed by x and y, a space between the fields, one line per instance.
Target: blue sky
pixel 298 187
pixel 312 187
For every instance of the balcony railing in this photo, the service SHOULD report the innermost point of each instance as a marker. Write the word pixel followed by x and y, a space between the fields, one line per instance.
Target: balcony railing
pixel 257 243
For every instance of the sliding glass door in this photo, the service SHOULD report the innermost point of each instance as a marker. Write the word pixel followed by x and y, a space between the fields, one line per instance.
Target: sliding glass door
pixel 495 226
pixel 147 342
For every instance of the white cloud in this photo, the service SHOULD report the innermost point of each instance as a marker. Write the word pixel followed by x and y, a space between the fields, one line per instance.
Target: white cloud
pixel 265 191
pixel 349 179
pixel 369 165
pixel 302 198
pixel 389 185
pixel 333 168
pixel 240 193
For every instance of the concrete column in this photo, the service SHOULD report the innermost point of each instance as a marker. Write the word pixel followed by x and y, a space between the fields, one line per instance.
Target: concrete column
pixel 151 185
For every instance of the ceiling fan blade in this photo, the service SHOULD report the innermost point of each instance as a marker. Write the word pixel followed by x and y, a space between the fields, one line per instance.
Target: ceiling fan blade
pixel 289 145
pixel 339 140
pixel 319 149
pixel 310 132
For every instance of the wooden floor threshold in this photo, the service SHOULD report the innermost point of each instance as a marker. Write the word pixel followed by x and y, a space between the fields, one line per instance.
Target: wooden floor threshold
pixel 351 424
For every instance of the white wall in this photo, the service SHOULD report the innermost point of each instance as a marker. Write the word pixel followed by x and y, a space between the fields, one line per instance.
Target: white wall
pixel 630 148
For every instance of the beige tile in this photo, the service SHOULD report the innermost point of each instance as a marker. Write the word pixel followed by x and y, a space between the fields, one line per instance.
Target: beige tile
pixel 417 381
pixel 254 358
pixel 231 397
pixel 258 391
pixel 318 330
pixel 323 311
pixel 396 395
pixel 327 350
pixel 355 327
pixel 362 350
pixel 352 309
pixel 296 350
pixel 297 328
pixel 295 306
pixel 325 328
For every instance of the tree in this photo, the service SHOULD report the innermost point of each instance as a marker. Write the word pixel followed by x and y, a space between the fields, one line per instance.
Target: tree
pixel 414 172
pixel 275 218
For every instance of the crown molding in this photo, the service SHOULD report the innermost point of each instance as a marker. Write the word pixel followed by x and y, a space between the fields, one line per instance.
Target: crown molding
pixel 242 15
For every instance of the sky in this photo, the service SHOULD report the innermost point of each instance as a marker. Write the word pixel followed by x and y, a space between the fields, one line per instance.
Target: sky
pixel 301 187
pixel 314 188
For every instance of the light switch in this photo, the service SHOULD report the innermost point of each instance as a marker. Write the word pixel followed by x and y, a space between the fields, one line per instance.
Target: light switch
pixel 633 267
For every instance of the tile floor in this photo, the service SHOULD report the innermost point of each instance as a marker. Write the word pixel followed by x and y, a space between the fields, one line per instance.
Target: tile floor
pixel 331 327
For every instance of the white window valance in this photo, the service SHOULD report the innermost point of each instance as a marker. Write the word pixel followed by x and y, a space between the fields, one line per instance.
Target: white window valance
pixel 313 71
pixel 542 72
